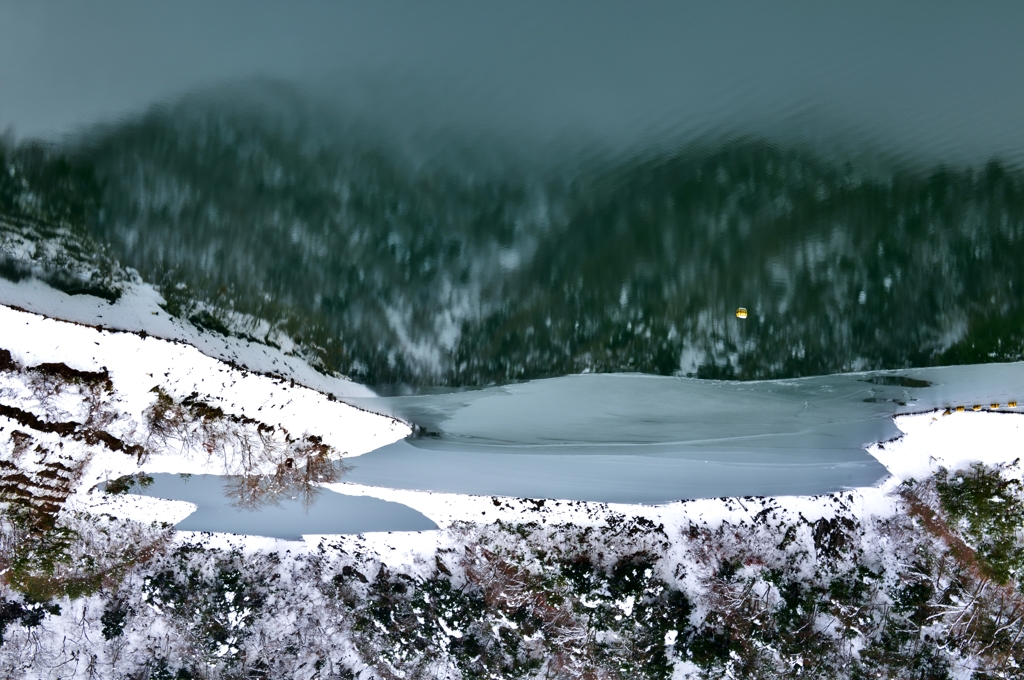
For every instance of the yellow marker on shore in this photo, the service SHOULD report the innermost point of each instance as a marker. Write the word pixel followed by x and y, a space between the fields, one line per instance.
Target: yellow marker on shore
pixel 959 409
pixel 741 313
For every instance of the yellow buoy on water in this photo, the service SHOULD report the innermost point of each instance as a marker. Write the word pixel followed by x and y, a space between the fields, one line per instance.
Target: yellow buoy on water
pixel 959 409
pixel 976 407
pixel 994 405
pixel 741 313
pixel 1011 404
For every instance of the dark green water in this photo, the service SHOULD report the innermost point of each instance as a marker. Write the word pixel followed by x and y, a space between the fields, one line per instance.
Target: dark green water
pixel 465 195
pixel 453 264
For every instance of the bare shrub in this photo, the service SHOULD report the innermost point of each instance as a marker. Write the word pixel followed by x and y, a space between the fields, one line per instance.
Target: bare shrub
pixel 49 382
pixel 566 643
pixel 299 476
pixel 266 461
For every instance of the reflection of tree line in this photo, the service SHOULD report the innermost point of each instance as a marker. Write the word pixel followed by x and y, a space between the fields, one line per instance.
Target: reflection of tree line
pixel 266 463
pixel 392 273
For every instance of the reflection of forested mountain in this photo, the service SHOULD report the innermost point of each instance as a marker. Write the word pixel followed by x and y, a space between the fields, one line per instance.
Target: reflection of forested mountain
pixel 840 272
pixel 391 270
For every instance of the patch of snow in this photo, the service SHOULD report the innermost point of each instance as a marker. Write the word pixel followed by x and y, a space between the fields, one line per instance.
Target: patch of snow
pixel 138 310
pixel 450 632
pixel 134 507
pixel 950 440
pixel 686 670
pixel 137 364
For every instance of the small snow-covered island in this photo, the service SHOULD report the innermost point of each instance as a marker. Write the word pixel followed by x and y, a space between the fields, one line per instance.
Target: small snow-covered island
pixel 920 575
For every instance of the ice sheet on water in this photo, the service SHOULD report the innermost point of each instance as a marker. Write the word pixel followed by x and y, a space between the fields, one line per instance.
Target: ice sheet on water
pixel 332 513
pixel 648 439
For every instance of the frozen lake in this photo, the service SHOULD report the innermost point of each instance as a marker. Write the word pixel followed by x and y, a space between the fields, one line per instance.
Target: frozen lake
pixel 648 439
pixel 331 513
pixel 620 438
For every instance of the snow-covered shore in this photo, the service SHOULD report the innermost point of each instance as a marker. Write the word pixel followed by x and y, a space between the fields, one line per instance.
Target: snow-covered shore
pixel 138 310
pixel 140 368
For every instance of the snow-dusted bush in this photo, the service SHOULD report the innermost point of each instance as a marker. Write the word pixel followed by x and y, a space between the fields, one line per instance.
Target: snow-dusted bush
pixel 768 596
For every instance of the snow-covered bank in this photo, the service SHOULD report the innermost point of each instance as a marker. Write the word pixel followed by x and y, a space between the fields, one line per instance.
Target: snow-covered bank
pixel 137 363
pixel 448 510
pixel 138 309
pixel 131 373
pixel 951 440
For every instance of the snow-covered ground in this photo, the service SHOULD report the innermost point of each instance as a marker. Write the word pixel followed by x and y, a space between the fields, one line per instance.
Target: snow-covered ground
pixel 951 440
pixel 139 365
pixel 138 310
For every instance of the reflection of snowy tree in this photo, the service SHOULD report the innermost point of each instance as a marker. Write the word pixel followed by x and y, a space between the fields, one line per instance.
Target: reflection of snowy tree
pixel 265 461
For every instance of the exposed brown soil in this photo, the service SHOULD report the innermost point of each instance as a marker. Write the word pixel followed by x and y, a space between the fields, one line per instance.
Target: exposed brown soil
pixel 31 420
pixel 936 526
pixel 70 428
pixel 65 373
pixel 42 492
